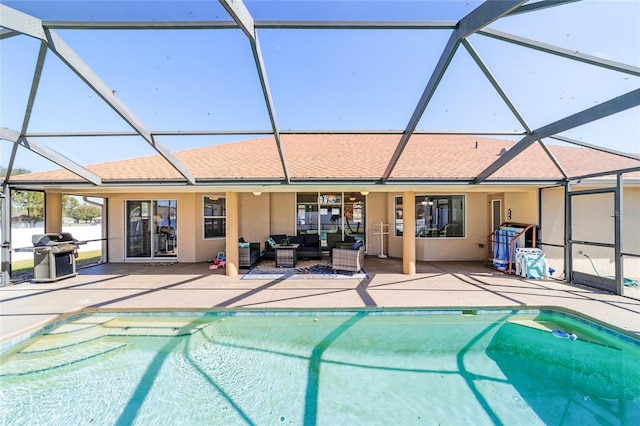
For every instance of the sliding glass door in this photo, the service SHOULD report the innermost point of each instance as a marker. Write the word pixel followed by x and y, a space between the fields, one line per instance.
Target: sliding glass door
pixel 166 228
pixel 330 216
pixel 337 214
pixel 138 229
pixel 151 229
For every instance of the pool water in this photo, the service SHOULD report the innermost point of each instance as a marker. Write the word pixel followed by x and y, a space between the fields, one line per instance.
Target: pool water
pixel 322 367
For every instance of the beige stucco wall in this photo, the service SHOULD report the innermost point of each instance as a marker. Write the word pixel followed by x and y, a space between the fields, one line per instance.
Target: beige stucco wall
pixel 552 222
pixel 115 226
pixel 592 221
pixel 377 213
pixel 282 211
pixel 254 217
pixel 523 206
pixel 53 212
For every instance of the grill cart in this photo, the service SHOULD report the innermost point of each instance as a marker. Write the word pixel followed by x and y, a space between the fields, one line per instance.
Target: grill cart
pixel 54 256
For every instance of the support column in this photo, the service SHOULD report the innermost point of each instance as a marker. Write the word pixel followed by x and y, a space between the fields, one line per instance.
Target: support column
pixel 618 230
pixel 52 212
pixel 568 234
pixel 233 222
pixel 5 255
pixel 409 233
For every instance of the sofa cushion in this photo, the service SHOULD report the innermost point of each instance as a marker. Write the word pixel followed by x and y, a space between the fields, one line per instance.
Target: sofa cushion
pixel 312 240
pixel 278 237
pixel 298 239
pixel 243 245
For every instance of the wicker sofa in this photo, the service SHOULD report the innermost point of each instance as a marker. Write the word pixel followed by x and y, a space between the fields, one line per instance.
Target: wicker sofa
pixel 309 246
pixel 248 256
pixel 269 251
pixel 345 258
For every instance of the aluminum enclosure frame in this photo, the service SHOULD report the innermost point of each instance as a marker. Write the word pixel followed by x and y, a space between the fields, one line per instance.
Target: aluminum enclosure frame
pixel 16 22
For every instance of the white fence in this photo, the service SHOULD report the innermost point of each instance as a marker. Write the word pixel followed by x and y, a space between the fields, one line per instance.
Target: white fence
pixel 21 237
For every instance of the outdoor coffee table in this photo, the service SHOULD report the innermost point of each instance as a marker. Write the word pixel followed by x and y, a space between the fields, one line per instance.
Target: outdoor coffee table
pixel 286 256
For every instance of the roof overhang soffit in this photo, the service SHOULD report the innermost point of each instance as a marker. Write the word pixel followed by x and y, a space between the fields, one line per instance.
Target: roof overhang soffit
pixel 31 26
pixel 243 18
pixel 480 17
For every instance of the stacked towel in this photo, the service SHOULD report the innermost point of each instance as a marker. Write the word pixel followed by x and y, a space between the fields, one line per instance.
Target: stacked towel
pixel 502 239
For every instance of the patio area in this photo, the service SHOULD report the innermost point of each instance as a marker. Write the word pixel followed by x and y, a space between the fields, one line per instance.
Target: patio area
pixel 27 306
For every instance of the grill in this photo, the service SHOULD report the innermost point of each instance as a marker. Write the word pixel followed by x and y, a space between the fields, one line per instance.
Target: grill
pixel 54 256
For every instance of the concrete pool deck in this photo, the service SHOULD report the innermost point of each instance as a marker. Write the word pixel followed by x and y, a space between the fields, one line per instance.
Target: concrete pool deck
pixel 27 306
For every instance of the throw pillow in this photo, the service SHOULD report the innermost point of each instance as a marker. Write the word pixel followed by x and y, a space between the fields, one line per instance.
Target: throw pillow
pixel 357 245
pixel 241 240
pixel 271 242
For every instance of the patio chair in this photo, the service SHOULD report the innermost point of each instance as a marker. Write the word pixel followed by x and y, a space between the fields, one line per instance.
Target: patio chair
pixel 248 254
pixel 345 258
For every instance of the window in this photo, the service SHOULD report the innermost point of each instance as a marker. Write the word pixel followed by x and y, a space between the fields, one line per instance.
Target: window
pixel 440 216
pixel 215 217
pixel 341 214
pixel 307 212
pixel 399 224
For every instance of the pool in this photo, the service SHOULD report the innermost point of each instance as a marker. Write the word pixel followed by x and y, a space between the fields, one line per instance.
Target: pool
pixel 325 367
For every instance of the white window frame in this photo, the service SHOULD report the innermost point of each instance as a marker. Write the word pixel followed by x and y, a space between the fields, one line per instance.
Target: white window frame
pixel 205 217
pixel 396 231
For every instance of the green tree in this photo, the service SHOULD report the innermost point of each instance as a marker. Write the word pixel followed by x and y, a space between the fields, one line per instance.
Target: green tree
pixel 29 204
pixel 86 212
pixel 69 203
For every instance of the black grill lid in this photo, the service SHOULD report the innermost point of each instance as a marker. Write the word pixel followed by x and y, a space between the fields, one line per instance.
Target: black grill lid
pixel 51 239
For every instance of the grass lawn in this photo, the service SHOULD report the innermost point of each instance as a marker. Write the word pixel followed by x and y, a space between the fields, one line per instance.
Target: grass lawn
pixel 86 257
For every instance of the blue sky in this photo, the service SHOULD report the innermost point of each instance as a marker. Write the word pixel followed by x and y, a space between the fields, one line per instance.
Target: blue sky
pixel 319 79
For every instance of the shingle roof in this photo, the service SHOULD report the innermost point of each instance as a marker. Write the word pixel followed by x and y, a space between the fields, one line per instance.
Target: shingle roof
pixel 353 156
